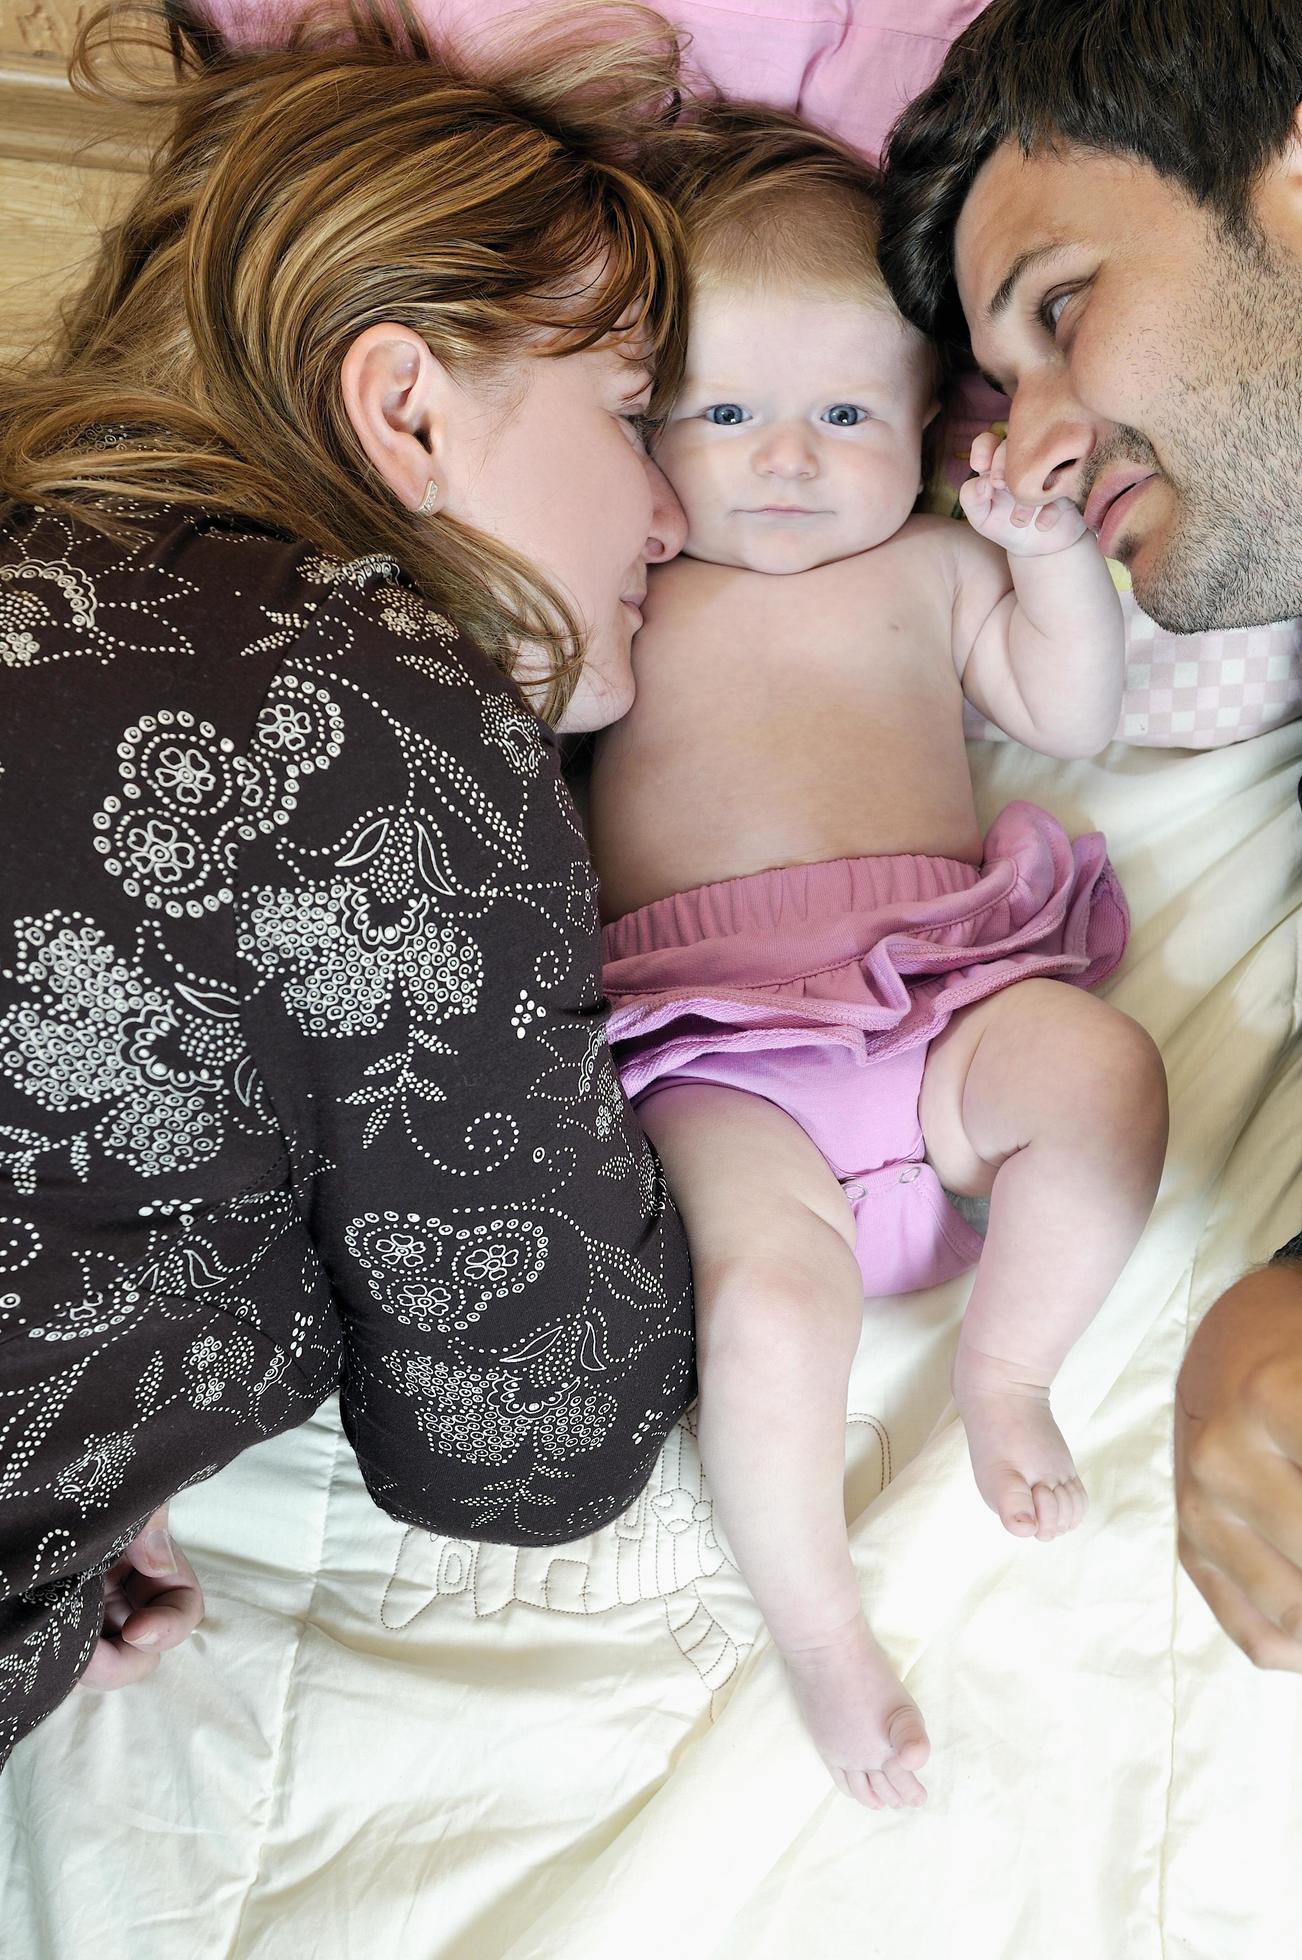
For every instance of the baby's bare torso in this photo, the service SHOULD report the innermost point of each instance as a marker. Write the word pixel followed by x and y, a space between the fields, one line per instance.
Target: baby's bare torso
pixel 786 720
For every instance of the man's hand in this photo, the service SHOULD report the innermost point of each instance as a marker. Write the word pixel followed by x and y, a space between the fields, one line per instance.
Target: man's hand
pixel 152 1601
pixel 1238 1464
pixel 1022 530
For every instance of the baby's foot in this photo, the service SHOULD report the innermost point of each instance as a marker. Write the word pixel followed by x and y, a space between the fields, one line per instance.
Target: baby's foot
pixel 863 1724
pixel 1022 1466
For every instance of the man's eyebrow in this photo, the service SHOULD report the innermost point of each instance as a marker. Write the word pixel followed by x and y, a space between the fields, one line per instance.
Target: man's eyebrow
pixel 1022 263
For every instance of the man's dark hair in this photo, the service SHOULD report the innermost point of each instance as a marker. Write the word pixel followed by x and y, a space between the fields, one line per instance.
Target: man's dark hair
pixel 1204 91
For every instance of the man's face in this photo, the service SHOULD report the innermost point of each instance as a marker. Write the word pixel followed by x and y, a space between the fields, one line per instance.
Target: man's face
pixel 1155 368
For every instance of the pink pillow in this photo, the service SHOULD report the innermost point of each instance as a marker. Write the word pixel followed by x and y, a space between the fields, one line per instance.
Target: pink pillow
pixel 851 66
pixel 847 66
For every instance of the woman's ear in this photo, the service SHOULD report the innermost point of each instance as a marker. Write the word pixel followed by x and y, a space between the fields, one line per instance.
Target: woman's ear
pixel 395 394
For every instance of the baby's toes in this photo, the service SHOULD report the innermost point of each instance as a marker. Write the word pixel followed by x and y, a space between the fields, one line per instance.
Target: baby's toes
pixel 908 1738
pixel 905 1784
pixel 1014 1503
pixel 854 1782
pixel 1073 1503
pixel 882 1787
pixel 1047 1509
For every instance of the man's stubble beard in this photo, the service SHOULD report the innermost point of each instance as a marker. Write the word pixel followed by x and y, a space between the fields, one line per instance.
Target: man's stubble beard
pixel 1235 556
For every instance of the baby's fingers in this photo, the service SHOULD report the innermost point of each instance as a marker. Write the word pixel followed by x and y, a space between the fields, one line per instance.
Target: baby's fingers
pixel 975 497
pixel 982 452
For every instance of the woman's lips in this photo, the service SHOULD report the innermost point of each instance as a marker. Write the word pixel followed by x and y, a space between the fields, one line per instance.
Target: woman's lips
pixel 1116 509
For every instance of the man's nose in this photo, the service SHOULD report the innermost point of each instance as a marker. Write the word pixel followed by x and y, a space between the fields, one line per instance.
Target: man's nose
pixel 1050 438
pixel 784 451
pixel 667 530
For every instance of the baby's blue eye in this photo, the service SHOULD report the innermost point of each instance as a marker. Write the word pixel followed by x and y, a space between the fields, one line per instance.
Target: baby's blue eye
pixel 725 415
pixel 844 415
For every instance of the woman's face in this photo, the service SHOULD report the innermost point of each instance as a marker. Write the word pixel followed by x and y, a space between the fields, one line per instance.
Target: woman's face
pixel 544 455
pixel 548 459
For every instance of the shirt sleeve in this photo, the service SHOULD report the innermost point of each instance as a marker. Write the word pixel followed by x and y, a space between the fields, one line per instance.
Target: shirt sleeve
pixel 418 949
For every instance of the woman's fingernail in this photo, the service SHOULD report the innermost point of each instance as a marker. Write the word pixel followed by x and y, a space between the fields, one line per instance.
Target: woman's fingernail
pixel 161 1552
pixel 148 1639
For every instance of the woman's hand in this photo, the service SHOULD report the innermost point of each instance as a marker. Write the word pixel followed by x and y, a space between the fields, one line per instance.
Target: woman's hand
pixel 1238 1464
pixel 152 1601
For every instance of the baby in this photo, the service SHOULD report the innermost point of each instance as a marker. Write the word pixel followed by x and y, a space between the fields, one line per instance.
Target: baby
pixel 833 1002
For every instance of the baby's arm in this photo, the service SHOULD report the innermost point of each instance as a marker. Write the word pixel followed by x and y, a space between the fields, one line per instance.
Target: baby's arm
pixel 1038 633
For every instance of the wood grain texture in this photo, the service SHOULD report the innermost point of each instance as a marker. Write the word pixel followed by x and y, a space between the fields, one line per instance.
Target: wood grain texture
pixel 40 27
pixel 50 220
pixel 67 168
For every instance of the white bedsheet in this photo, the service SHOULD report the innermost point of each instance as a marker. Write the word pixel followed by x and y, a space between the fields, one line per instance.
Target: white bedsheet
pixel 383 1744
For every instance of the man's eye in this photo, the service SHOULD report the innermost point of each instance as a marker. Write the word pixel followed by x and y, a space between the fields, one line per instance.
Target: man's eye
pixel 725 415
pixel 844 415
pixel 1050 311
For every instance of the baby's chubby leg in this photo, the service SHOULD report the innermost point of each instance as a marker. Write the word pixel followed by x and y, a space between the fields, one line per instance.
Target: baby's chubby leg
pixel 779 1309
pixel 1053 1104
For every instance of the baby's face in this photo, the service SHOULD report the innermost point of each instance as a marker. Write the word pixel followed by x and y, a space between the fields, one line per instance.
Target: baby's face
pixel 797 436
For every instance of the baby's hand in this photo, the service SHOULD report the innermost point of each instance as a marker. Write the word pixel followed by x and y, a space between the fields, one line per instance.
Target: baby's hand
pixel 1022 530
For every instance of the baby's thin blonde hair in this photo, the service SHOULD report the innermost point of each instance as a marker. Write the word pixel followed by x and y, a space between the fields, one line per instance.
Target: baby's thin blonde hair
pixel 767 201
pixel 361 174
pixel 764 199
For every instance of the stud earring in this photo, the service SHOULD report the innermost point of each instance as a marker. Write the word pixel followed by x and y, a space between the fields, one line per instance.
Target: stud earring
pixel 430 498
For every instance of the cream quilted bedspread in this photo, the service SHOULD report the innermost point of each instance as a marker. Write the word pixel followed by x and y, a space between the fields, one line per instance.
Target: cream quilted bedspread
pixel 383 1744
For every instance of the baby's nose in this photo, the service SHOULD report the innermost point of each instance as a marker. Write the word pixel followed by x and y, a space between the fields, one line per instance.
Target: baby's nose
pixel 786 452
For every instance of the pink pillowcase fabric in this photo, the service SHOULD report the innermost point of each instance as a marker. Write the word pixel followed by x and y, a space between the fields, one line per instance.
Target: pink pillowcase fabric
pixel 1197 690
pixel 850 66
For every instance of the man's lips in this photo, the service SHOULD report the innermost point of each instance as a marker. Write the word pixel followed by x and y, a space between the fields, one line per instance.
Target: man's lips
pixel 1110 501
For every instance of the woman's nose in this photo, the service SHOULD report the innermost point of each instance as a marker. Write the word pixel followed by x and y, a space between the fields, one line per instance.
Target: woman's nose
pixel 1050 438
pixel 667 530
pixel 785 452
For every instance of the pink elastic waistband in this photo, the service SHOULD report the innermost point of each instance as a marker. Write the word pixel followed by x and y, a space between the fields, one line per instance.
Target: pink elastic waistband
pixel 784 898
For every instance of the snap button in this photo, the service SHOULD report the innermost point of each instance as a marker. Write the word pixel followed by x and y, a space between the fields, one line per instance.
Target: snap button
pixel 853 1191
pixel 910 1174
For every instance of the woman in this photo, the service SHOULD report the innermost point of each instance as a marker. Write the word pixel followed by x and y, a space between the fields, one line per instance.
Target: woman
pixel 331 514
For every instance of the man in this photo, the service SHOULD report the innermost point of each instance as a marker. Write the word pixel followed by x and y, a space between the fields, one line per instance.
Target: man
pixel 1104 202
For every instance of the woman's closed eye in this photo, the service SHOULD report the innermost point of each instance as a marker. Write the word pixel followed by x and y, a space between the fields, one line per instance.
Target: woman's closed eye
pixel 845 415
pixel 644 426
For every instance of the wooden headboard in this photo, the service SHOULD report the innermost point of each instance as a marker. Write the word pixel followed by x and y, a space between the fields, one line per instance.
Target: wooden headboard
pixel 66 168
